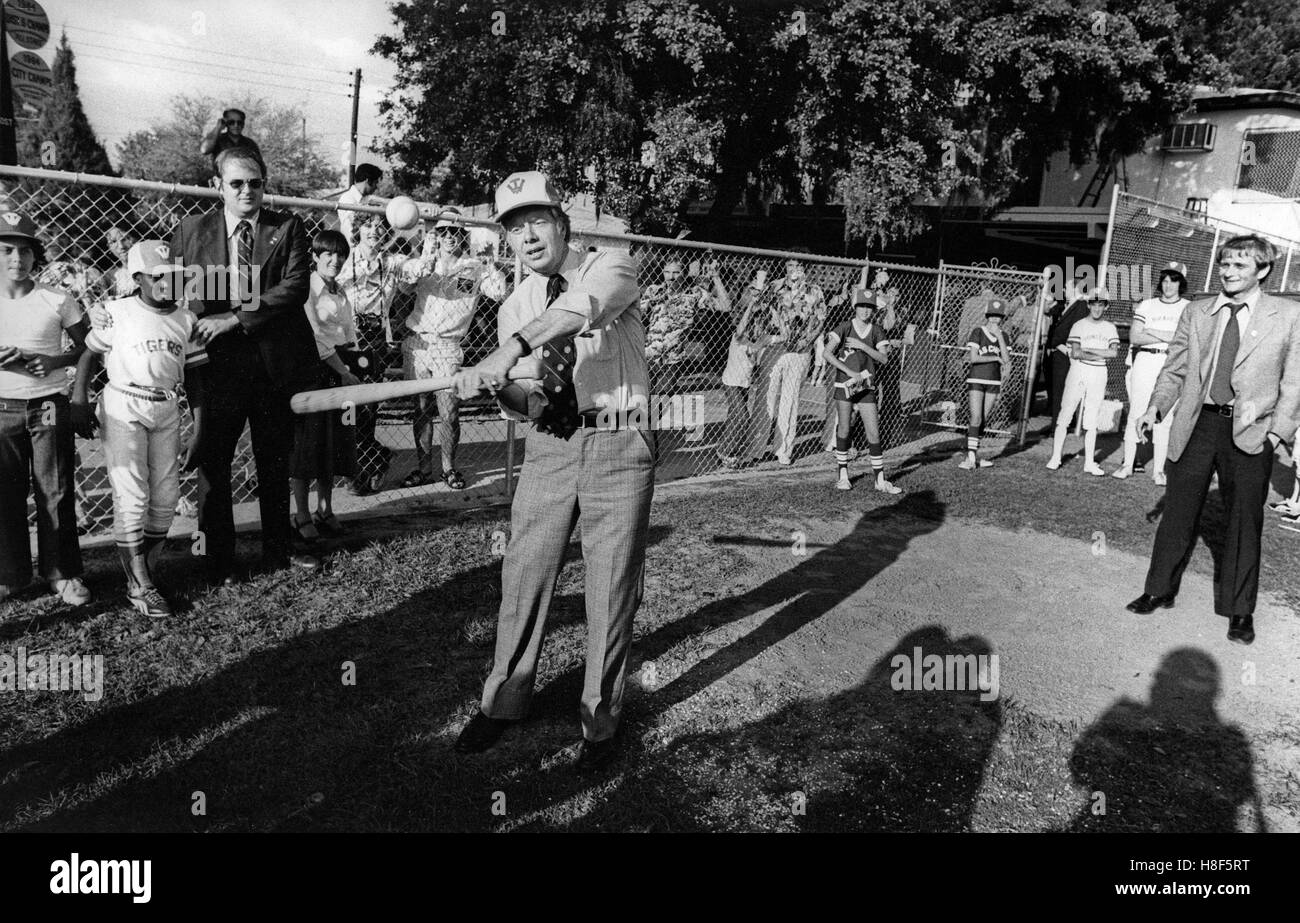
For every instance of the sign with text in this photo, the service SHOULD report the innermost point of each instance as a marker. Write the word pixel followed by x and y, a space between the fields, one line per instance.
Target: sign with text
pixel 27 23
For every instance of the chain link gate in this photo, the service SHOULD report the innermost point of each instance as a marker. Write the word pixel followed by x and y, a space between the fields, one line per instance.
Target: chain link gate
pixel 693 295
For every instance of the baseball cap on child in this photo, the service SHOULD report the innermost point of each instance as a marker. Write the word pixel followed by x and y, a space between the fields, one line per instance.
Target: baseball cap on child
pixel 16 224
pixel 863 296
pixel 444 219
pixel 151 257
pixel 996 308
pixel 520 190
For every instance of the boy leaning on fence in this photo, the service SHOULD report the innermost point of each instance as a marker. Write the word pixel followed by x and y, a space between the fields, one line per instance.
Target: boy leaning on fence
pixel 152 361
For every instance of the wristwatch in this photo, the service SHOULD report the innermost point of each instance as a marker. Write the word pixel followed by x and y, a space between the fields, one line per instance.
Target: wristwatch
pixel 522 342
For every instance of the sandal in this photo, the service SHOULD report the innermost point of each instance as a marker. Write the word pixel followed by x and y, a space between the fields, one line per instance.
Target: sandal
pixel 454 479
pixel 416 478
pixel 306 530
pixel 328 525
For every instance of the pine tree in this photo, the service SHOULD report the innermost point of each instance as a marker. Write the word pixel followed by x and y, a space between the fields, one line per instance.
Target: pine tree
pixel 63 121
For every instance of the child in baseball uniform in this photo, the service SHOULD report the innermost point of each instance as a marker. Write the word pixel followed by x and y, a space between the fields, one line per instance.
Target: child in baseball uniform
pixel 152 362
pixel 1092 341
pixel 37 454
pixel 988 356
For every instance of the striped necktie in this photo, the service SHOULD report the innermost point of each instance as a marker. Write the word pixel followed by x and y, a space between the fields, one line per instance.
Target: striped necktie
pixel 1221 385
pixel 244 249
pixel 560 416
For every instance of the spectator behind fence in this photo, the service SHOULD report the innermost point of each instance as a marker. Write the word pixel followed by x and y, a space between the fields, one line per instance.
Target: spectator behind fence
pixel 372 278
pixel 365 180
pixel 228 133
pixel 671 308
pixel 324 446
pixel 798 314
pixel 433 348
pixel 747 345
pixel 36 437
pixel 117 282
pixel 260 351
pixel 150 354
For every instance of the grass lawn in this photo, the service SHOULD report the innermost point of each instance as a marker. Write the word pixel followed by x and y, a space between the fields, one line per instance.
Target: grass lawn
pixel 240 697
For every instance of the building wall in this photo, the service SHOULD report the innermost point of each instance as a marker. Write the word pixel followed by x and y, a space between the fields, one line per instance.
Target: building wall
pixel 1173 178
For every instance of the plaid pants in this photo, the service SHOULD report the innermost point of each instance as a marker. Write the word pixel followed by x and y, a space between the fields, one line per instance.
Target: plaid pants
pixel 605 479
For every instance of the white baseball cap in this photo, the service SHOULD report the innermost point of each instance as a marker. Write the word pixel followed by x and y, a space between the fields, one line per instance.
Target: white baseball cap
pixel 519 190
pixel 151 257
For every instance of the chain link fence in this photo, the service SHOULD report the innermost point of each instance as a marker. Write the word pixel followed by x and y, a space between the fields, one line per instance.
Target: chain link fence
pixel 1144 236
pixel 694 296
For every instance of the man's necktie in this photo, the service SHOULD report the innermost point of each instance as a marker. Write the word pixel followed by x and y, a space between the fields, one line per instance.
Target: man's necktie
pixel 1221 387
pixel 560 416
pixel 244 253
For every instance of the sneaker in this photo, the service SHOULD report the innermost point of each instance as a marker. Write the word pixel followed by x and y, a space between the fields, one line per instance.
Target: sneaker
pixel 968 463
pixel 1095 470
pixel 1286 507
pixel 1290 523
pixel 885 487
pixel 1139 468
pixel 72 591
pixel 844 483
pixel 1053 464
pixel 148 601
pixel 1159 478
pixel 985 463
pixel 1122 473
pixel 784 460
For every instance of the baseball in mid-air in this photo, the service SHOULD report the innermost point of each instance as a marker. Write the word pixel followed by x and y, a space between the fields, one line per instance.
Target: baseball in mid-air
pixel 402 212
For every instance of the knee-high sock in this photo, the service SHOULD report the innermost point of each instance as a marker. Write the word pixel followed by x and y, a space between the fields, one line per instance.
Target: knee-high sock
pixel 973 434
pixel 877 457
pixel 132 558
pixel 842 451
pixel 1089 445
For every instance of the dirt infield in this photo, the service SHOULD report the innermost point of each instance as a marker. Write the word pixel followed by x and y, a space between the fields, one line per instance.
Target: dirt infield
pixel 762 694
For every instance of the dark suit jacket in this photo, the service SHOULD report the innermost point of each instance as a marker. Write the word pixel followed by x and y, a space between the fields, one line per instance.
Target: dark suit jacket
pixel 278 329
pixel 1066 316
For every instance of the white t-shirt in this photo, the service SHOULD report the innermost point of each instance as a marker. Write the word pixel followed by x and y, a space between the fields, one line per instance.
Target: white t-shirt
pixel 444 300
pixel 352 196
pixel 1160 317
pixel 146 348
pixel 35 324
pixel 1094 334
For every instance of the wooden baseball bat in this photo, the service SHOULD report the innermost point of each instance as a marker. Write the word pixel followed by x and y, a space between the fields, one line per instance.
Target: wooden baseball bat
pixel 373 392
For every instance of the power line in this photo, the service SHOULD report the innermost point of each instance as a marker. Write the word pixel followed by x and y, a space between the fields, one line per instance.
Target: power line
pixel 240 70
pixel 226 54
pixel 247 79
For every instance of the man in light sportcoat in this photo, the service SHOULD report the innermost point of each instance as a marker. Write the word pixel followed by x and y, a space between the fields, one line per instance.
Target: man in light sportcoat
pixel 248 270
pixel 1232 382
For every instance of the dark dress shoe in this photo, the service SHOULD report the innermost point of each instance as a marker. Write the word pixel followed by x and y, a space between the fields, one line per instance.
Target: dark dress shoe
pixel 305 561
pixel 1148 603
pixel 481 733
pixel 1241 630
pixel 596 754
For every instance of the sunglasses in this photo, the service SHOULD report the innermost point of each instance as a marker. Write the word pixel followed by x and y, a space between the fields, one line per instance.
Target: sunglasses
pixel 238 184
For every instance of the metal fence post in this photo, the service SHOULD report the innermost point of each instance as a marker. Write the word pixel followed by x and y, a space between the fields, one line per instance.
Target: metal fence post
pixel 1209 263
pixel 1032 372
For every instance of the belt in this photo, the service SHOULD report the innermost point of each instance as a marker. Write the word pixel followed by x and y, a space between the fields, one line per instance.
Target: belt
pixel 1152 349
pixel 148 394
pixel 611 420
pixel 1223 410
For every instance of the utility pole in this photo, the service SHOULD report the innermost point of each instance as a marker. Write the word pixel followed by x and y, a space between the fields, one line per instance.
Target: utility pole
pixel 356 103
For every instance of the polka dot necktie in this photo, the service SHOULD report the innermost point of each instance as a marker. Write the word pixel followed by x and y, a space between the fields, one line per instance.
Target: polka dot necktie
pixel 1221 385
pixel 560 416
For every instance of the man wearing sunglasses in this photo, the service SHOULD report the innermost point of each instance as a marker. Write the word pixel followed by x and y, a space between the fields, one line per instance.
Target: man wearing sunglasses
pixel 227 133
pixel 247 271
